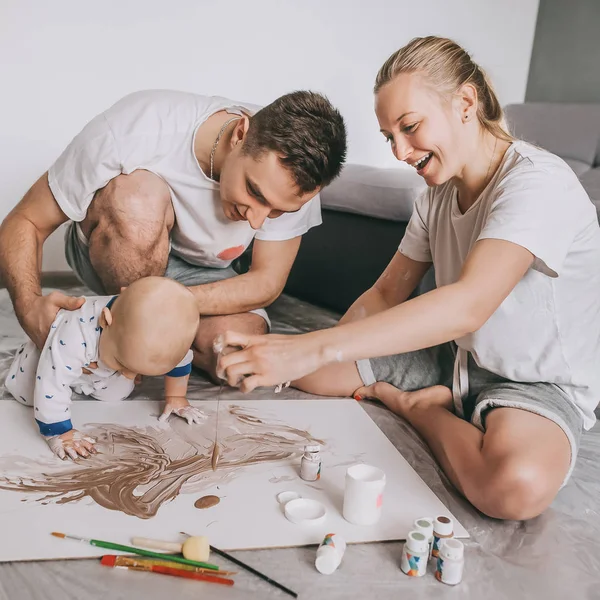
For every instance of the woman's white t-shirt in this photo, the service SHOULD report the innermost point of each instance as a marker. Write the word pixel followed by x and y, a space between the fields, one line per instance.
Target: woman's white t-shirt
pixel 154 130
pixel 548 328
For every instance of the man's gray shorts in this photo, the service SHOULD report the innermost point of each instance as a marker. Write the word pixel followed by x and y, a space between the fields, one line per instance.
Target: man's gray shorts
pixel 78 256
pixel 435 366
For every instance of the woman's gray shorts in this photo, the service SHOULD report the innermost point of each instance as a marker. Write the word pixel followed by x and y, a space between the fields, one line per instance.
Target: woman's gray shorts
pixel 435 366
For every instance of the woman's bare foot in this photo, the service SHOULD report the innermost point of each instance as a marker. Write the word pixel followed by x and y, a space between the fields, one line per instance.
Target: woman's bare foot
pixel 402 402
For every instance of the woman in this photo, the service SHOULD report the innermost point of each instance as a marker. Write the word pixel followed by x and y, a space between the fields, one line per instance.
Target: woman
pixel 497 367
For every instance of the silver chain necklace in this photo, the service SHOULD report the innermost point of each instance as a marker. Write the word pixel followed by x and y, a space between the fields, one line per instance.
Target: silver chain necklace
pixel 214 148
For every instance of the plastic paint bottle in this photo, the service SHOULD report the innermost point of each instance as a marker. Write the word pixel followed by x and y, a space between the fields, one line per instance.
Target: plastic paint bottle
pixel 310 466
pixel 415 554
pixel 330 553
pixel 443 528
pixel 424 525
pixel 450 562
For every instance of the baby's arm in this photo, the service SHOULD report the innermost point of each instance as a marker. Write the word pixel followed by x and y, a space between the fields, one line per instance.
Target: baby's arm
pixel 60 364
pixel 176 384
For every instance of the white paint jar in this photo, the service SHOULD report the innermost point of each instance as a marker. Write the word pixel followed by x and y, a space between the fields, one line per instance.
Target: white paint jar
pixel 424 525
pixel 330 553
pixel 310 465
pixel 450 562
pixel 363 494
pixel 443 528
pixel 415 554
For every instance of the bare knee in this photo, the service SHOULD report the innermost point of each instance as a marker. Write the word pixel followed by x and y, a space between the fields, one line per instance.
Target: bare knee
pixel 128 227
pixel 211 327
pixel 518 489
pixel 137 207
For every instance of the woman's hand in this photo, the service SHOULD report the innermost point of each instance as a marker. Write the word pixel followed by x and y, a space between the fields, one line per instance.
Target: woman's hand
pixel 269 360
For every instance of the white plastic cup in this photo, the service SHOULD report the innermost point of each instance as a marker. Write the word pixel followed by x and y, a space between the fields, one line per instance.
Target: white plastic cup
pixel 363 496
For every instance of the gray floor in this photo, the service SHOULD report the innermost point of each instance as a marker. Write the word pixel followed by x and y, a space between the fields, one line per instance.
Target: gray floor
pixel 554 556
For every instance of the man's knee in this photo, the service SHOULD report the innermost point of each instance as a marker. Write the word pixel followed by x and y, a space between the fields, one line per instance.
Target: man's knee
pixel 517 489
pixel 135 208
pixel 211 327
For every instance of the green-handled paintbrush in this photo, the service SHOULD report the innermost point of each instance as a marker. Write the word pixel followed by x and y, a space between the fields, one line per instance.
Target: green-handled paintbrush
pixel 139 551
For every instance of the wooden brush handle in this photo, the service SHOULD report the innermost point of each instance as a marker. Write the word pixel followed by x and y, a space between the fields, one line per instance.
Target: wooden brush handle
pixel 156 544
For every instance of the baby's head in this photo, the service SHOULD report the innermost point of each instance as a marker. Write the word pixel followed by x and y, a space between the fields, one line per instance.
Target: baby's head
pixel 149 328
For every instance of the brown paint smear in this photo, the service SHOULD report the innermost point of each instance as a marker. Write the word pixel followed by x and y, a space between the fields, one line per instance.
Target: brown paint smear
pixel 137 470
pixel 207 501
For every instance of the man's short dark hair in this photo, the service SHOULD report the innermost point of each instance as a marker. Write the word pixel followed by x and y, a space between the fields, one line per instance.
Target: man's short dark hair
pixel 306 132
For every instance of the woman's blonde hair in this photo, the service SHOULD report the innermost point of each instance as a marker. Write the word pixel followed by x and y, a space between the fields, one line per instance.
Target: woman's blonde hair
pixel 447 66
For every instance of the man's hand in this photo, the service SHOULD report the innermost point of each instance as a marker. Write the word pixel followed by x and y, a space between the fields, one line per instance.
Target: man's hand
pixel 179 406
pixel 72 443
pixel 38 315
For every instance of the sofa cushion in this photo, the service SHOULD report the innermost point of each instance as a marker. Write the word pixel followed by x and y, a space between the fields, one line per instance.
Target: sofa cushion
pixel 374 192
pixel 572 131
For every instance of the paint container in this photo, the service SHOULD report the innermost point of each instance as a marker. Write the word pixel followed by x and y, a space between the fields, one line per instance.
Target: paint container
pixel 330 553
pixel 424 525
pixel 310 466
pixel 304 511
pixel 415 554
pixel 442 529
pixel 450 562
pixel 363 494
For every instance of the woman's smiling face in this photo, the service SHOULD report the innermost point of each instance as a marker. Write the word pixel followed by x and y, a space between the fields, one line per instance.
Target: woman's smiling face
pixel 423 129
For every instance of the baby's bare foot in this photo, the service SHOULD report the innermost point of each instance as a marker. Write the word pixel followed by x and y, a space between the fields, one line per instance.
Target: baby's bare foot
pixel 402 402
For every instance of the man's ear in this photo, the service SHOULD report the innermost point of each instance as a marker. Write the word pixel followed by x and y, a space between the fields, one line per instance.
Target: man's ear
pixel 105 318
pixel 240 130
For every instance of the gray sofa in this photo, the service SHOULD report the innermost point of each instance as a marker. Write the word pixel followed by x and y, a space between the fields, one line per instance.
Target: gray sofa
pixel 366 210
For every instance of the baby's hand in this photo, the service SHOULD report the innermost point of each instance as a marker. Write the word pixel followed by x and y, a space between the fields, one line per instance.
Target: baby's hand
pixel 72 443
pixel 181 407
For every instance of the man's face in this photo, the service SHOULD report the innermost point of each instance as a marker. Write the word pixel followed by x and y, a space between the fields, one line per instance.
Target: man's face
pixel 254 189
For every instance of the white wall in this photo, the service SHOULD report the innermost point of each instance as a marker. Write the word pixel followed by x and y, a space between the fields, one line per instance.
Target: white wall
pixel 62 62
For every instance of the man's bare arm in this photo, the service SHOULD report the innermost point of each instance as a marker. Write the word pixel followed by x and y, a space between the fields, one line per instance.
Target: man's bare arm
pixel 262 285
pixel 22 236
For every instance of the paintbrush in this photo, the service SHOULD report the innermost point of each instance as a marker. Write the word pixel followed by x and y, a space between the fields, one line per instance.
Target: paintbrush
pixel 110 561
pixel 239 563
pixel 140 551
pixel 140 561
pixel 218 349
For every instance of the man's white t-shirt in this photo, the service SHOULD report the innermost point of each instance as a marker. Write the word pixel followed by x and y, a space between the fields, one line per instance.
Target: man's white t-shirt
pixel 548 328
pixel 155 130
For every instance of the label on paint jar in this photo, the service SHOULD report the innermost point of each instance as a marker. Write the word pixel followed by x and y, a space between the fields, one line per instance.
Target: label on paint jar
pixel 310 466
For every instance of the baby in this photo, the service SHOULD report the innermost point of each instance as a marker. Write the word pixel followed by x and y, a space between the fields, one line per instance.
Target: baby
pixel 99 349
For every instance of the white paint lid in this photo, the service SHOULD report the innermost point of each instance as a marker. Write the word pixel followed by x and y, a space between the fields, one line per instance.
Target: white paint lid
pixel 443 526
pixel 417 542
pixel 452 549
pixel 285 497
pixel 312 448
pixel 424 525
pixel 304 511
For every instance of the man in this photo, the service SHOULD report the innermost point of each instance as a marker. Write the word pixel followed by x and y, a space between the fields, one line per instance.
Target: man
pixel 177 184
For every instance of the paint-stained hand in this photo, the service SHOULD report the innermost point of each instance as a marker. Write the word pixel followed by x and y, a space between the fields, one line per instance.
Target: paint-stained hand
pixel 182 408
pixel 71 444
pixel 269 360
